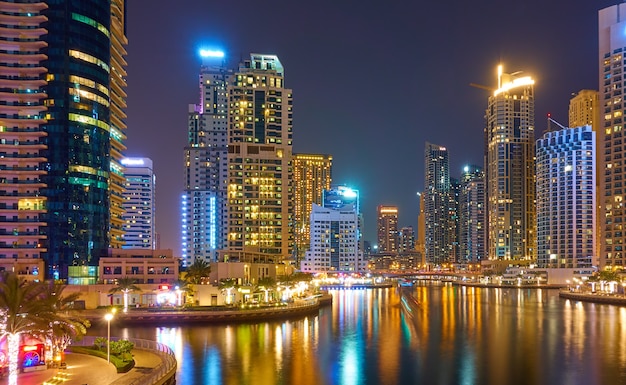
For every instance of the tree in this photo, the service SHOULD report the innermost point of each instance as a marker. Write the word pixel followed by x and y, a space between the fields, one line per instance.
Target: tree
pixel 125 285
pixel 67 324
pixel 227 285
pixel 23 310
pixel 198 272
pixel 265 284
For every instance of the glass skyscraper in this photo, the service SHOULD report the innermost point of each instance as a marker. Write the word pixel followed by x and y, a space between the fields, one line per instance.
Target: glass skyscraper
pixel 85 130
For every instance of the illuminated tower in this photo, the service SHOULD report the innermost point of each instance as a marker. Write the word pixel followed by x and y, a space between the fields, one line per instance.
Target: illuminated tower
pixel 387 229
pixel 204 201
pixel 510 168
pixel 436 204
pixel 139 204
pixel 472 218
pixel 259 162
pixel 86 71
pixel 612 23
pixel 406 240
pixel 311 176
pixel 22 116
pixel 566 196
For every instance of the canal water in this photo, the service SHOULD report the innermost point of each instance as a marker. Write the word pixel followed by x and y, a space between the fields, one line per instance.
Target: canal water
pixel 447 335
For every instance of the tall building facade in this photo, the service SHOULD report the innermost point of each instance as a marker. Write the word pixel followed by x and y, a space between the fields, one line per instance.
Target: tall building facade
pixel 387 229
pixel 204 199
pixel 510 168
pixel 85 100
pixel 612 43
pixel 406 240
pixel 566 196
pixel 260 195
pixel 22 137
pixel 472 215
pixel 584 109
pixel 312 174
pixel 334 241
pixel 436 204
pixel 139 204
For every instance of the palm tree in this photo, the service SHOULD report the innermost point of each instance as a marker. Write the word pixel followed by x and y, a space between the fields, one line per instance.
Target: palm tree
pixel 125 285
pixel 23 310
pixel 198 272
pixel 265 284
pixel 67 325
pixel 227 285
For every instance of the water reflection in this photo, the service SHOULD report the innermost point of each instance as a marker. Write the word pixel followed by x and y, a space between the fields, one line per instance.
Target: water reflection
pixel 452 335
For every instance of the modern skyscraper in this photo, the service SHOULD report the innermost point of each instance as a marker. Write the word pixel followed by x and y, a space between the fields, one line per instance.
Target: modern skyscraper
pixel 612 23
pixel 204 199
pixel 334 241
pixel 566 196
pixel 387 229
pixel 85 99
pixel 472 215
pixel 259 162
pixel 311 176
pixel 436 204
pixel 406 240
pixel 22 138
pixel 584 109
pixel 420 241
pixel 139 204
pixel 510 168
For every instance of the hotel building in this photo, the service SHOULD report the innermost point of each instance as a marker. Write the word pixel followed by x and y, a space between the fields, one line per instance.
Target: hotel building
pixel 334 241
pixel 312 174
pixel 566 196
pixel 204 199
pixel 510 168
pixel 612 46
pixel 260 195
pixel 387 229
pixel 22 138
pixel 139 204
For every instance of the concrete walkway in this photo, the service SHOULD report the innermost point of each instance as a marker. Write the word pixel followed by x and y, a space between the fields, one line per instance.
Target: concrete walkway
pixel 83 369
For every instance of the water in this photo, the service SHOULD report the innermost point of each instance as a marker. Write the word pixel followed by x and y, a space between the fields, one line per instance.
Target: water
pixel 455 335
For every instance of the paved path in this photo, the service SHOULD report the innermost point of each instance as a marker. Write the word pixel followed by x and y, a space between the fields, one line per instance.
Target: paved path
pixel 83 369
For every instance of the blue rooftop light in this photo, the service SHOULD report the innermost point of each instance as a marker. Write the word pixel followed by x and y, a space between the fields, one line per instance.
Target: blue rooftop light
pixel 207 53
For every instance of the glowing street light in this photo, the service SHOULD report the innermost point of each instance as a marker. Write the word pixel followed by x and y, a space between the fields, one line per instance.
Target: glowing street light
pixel 108 317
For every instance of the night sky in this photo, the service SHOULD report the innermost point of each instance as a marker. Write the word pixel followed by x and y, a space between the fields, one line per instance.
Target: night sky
pixel 372 80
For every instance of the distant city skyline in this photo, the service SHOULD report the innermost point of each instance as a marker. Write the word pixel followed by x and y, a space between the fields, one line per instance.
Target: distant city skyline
pixel 374 129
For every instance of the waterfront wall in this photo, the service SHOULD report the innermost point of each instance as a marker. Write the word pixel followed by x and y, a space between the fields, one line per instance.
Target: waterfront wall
pixel 596 298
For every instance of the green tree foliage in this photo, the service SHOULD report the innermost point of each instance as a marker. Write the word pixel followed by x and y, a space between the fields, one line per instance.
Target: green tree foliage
pixel 198 272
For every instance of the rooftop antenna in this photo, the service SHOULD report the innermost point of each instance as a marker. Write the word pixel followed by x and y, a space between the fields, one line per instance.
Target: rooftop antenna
pixel 550 121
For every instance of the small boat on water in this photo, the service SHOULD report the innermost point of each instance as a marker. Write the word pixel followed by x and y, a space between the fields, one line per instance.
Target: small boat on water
pixel 405 282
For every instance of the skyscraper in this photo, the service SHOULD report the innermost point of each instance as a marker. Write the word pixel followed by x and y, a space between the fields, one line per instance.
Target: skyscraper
pixel 566 196
pixel 204 200
pixel 85 99
pixel 406 240
pixel 584 109
pixel 437 204
pixel 334 241
pixel 612 23
pixel 139 204
pixel 312 174
pixel 387 229
pixel 259 162
pixel 510 168
pixel 22 138
pixel 472 217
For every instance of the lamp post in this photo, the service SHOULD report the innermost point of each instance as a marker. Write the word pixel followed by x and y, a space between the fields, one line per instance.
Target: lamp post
pixel 108 317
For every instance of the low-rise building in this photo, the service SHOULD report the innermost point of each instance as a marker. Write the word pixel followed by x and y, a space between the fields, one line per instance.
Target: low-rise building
pixel 143 265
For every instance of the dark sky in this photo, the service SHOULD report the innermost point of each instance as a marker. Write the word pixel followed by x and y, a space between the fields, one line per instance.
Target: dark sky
pixel 372 80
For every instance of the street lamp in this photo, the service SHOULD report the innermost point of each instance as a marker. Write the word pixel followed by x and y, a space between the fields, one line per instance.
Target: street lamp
pixel 108 317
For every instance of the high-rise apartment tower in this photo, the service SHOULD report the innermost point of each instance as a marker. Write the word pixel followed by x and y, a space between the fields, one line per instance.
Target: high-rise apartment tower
pixel 387 229
pixel 510 168
pixel 437 204
pixel 139 204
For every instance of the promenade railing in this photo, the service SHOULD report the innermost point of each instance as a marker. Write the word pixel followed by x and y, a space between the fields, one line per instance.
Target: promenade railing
pixel 166 367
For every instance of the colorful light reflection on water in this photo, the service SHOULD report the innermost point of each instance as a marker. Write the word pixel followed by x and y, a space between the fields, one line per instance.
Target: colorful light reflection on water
pixel 453 335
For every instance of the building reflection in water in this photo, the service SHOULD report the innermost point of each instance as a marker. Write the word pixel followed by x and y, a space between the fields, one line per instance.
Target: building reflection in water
pixel 450 335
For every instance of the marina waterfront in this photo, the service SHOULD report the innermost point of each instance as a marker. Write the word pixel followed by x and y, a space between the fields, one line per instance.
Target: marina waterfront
pixel 447 335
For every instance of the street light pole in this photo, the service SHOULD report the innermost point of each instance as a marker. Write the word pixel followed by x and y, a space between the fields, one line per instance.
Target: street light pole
pixel 108 317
